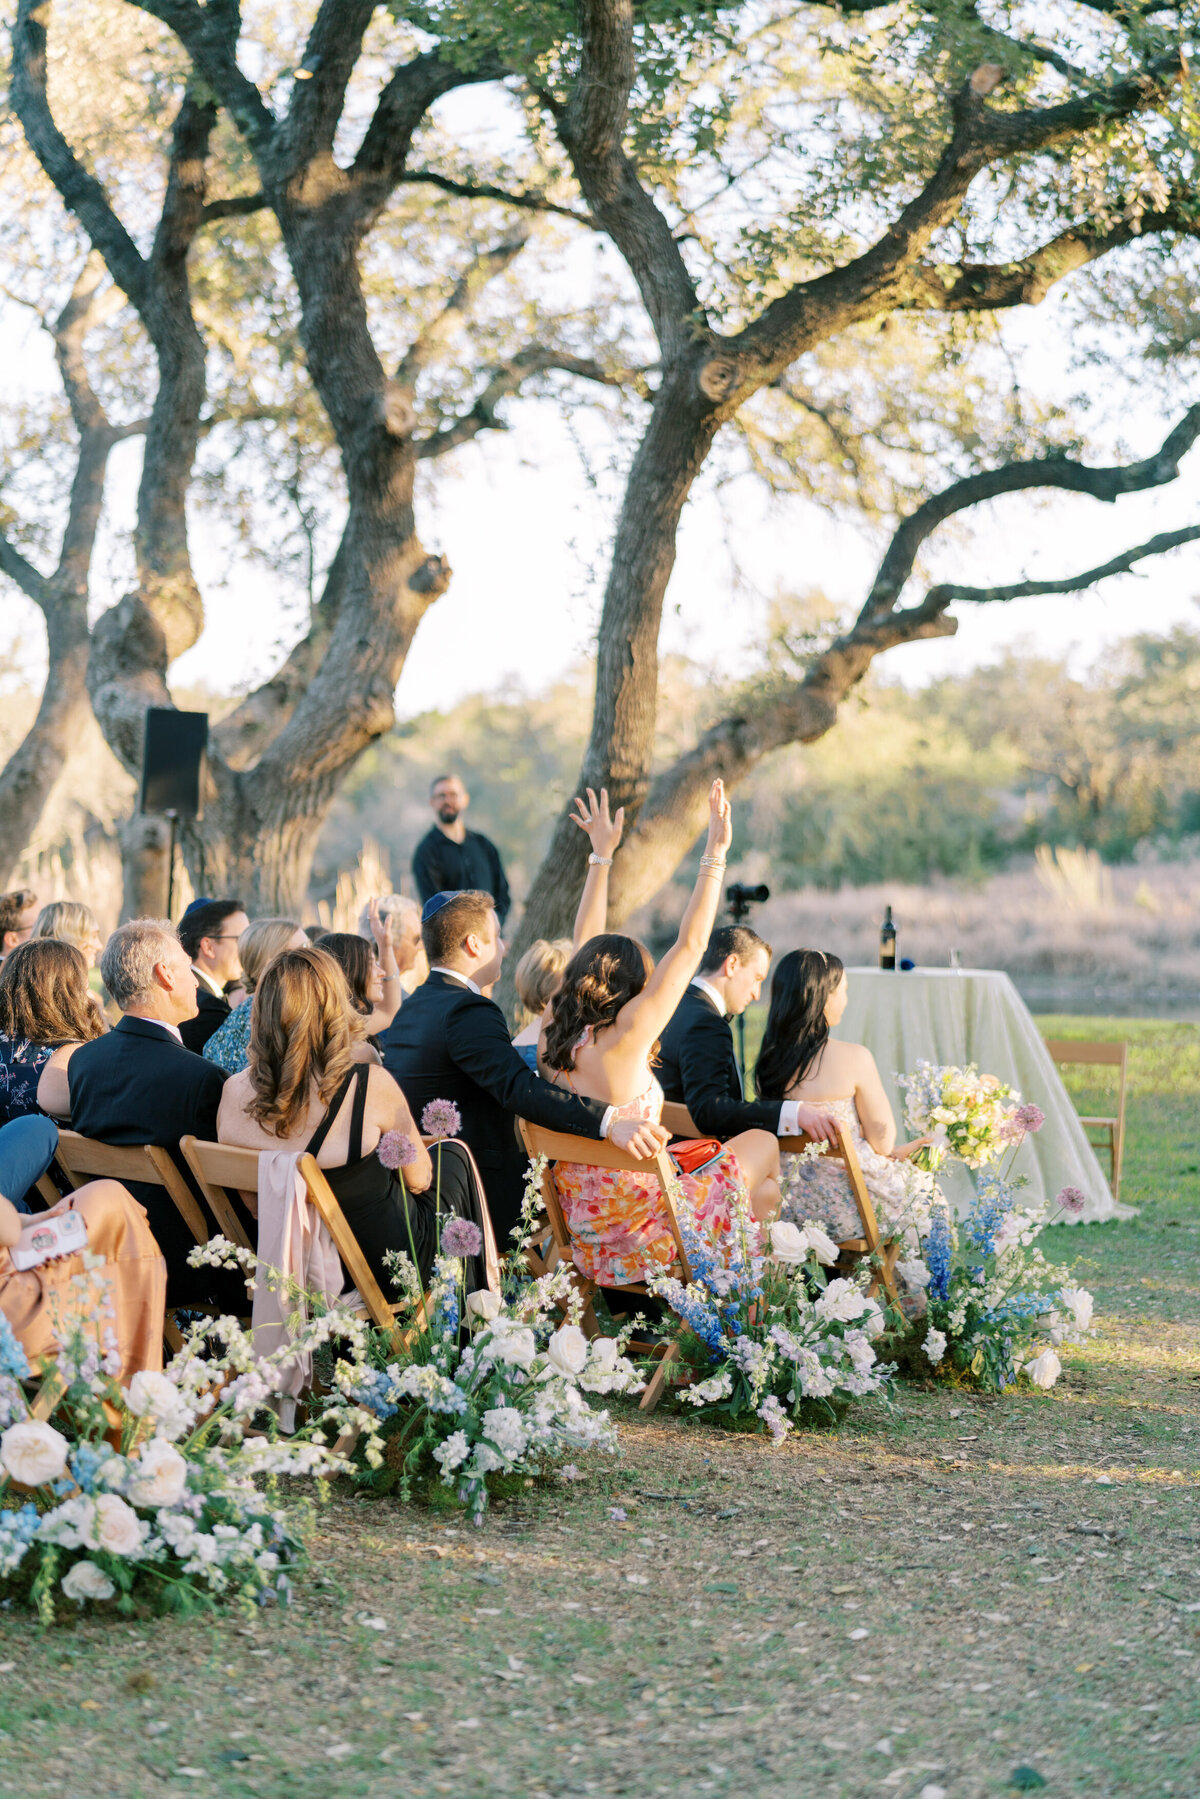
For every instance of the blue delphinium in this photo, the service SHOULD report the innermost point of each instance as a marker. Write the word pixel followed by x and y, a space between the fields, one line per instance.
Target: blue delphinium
pixel 993 1202
pixel 13 1360
pixel 17 1531
pixel 372 1391
pixel 937 1254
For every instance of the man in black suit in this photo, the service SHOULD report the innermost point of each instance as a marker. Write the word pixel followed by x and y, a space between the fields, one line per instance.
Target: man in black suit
pixel 451 859
pixel 450 1042
pixel 139 1084
pixel 209 932
pixel 697 1066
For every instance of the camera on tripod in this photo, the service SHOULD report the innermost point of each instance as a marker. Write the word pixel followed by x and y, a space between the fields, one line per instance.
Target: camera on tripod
pixel 741 898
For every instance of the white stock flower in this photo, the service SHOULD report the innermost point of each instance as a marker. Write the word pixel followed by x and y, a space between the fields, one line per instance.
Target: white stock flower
pixel 915 1275
pixel 935 1346
pixel 86 1581
pixel 153 1395
pixel 841 1302
pixel 1044 1369
pixel 822 1245
pixel 1079 1303
pixel 567 1351
pixel 117 1526
pixel 159 1475
pixel 789 1244
pixel 504 1426
pixel 516 1348
pixel 873 1321
pixel 32 1453
pixel 453 1451
pixel 483 1304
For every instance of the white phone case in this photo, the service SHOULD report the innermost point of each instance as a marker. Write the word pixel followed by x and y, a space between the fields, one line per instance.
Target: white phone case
pixel 61 1236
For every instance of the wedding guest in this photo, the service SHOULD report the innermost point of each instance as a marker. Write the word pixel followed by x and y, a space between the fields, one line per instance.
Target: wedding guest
pixel 27 1146
pixel 259 944
pixel 209 931
pixel 303 1091
pixel 35 1301
pixel 607 1018
pixel 450 1042
pixel 451 859
pixel 403 917
pixel 697 1066
pixel 46 1011
pixel 18 915
pixel 799 1060
pixel 71 922
pixel 538 978
pixel 315 932
pixel 140 1084
pixel 372 975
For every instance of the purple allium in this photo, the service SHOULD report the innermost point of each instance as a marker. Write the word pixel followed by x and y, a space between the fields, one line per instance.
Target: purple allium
pixel 441 1118
pixel 395 1150
pixel 1072 1200
pixel 1029 1117
pixel 461 1238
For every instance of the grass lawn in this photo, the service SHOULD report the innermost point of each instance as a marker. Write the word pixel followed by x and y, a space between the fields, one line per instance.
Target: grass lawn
pixel 963 1596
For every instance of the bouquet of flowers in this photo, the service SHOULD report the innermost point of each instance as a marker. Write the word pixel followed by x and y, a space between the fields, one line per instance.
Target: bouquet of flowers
pixel 147 1495
pixel 995 1307
pixel 490 1384
pixel 769 1334
pixel 968 1114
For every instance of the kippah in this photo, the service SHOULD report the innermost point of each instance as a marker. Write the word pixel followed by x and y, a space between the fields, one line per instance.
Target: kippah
pixel 202 899
pixel 436 903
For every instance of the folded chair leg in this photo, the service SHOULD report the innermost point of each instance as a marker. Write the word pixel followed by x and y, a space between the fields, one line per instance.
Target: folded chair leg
pixel 654 1390
pixel 172 1335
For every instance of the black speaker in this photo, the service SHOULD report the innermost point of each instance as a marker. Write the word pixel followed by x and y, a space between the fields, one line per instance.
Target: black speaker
pixel 173 761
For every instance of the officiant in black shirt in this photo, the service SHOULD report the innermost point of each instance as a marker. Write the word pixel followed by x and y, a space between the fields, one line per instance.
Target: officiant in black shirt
pixel 451 859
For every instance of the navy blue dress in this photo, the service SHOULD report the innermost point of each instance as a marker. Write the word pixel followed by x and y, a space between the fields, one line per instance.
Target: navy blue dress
pixel 21 1064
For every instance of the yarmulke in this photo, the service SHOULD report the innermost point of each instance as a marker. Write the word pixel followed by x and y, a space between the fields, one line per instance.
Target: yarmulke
pixel 202 899
pixel 436 903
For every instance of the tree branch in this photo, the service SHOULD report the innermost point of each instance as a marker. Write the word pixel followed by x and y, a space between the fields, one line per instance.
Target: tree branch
pixel 334 46
pixel 21 572
pixel 947 592
pixel 402 105
pixel 235 206
pixel 210 34
pixel 486 265
pixel 527 200
pixel 508 379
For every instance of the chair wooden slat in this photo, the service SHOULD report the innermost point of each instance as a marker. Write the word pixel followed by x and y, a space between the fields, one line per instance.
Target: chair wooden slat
pixel 557 1146
pixel 679 1120
pixel 369 1291
pixel 85 1159
pixel 221 1172
pixel 1095 1053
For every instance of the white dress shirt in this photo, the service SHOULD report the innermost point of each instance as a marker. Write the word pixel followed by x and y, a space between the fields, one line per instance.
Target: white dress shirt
pixel 216 991
pixel 789 1111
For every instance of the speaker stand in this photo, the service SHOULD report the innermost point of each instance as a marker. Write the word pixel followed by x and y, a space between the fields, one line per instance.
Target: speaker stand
pixel 174 818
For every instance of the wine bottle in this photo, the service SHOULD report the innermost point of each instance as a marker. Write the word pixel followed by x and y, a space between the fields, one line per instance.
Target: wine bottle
pixel 887 942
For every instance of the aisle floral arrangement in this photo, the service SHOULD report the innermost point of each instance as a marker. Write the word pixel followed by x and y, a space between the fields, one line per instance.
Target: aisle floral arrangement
pixel 149 1496
pixel 996 1310
pixel 768 1334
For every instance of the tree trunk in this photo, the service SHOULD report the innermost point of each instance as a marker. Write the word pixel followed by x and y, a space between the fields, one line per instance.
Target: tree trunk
pixel 145 848
pixel 620 751
pixel 34 766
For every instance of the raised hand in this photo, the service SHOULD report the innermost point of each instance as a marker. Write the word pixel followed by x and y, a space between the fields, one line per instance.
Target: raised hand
pixel 720 821
pixel 604 831
pixel 380 928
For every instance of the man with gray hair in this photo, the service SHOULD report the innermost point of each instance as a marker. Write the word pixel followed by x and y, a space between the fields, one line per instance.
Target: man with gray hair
pixel 138 1084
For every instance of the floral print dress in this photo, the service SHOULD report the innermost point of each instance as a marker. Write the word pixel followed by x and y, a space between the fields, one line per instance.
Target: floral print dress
pixel 21 1064
pixel 619 1230
pixel 815 1189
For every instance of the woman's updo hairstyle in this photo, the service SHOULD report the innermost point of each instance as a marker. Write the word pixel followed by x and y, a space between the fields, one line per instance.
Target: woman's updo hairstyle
pixel 600 978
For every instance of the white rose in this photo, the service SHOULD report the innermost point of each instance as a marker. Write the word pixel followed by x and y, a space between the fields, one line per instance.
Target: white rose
pixel 483 1304
pixel 33 1453
pixel 567 1350
pixel 841 1302
pixel 789 1244
pixel 1079 1303
pixel 118 1527
pixel 915 1275
pixel 516 1348
pixel 935 1346
pixel 823 1247
pixel 151 1395
pixel 1044 1369
pixel 604 1353
pixel 86 1581
pixel 159 1476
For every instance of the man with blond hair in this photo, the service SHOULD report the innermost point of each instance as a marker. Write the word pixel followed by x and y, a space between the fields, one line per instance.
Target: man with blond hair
pixel 138 1084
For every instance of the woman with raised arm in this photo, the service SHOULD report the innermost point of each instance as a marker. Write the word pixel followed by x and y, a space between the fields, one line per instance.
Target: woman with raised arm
pixel 601 1041
pixel 540 970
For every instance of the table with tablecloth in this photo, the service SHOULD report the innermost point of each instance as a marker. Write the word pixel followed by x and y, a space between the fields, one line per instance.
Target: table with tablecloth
pixel 976 1015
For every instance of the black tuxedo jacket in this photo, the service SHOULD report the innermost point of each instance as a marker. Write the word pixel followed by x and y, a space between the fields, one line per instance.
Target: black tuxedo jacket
pixel 697 1067
pixel 207 1022
pixel 137 1085
pixel 449 1043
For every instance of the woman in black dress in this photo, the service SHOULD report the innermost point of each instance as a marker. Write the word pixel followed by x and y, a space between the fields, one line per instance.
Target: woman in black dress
pixel 303 1090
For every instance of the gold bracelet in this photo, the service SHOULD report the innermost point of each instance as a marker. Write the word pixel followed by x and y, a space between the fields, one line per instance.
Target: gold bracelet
pixel 712 861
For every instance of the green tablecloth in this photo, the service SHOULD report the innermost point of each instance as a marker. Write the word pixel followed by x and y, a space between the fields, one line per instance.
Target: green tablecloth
pixel 976 1015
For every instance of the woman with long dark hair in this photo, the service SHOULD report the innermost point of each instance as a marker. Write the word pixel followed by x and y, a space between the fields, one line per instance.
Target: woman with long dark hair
pixel 799 1059
pixel 600 1042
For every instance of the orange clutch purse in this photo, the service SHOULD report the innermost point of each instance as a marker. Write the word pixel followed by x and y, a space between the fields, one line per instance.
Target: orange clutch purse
pixel 691 1154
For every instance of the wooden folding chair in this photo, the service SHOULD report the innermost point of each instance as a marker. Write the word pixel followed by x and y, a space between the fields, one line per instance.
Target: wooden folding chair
pixel 222 1171
pixel 870 1243
pixel 678 1119
pixel 557 1146
pixel 86 1159
pixel 1066 1050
